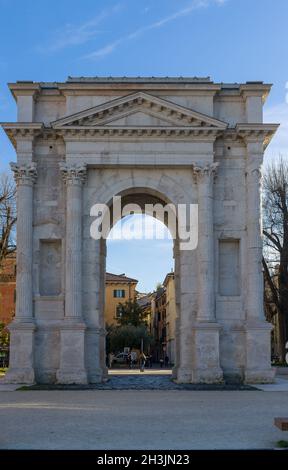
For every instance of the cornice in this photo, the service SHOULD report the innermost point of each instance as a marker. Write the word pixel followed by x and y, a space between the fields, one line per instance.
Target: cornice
pixel 24 88
pixel 255 89
pixel 257 132
pixel 22 130
pixel 247 132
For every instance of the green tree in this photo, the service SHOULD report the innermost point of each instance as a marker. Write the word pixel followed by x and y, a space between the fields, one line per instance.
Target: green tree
pixel 128 336
pixel 130 313
pixel 4 336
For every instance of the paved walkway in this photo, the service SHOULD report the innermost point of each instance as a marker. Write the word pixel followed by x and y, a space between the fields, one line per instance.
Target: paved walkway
pixel 152 379
pixel 137 372
pixel 97 419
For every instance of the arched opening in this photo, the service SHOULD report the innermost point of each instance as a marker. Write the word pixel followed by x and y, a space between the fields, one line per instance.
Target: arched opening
pixel 139 309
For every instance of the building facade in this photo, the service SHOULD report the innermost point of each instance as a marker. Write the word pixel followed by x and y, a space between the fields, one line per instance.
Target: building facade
pixel 169 284
pixel 148 140
pixel 8 289
pixel 118 289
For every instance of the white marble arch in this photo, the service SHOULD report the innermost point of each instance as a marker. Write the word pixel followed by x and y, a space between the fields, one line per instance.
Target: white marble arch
pixel 177 140
pixel 94 260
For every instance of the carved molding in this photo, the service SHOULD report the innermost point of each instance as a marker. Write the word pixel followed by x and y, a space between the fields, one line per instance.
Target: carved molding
pixel 206 173
pixel 73 174
pixel 25 173
pixel 123 106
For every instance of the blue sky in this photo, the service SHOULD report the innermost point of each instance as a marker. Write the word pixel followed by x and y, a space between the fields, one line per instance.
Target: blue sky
pixel 231 41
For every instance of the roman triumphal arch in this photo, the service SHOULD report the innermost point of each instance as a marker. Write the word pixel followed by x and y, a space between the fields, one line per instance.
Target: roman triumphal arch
pixel 178 141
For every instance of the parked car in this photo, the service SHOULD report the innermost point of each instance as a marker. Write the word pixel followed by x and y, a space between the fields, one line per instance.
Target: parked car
pixel 121 358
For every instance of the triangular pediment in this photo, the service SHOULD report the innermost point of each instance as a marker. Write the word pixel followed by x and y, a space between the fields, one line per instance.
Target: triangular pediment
pixel 139 110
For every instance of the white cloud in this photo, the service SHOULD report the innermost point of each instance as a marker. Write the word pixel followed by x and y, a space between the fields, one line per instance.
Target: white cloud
pixel 74 35
pixel 279 144
pixel 195 5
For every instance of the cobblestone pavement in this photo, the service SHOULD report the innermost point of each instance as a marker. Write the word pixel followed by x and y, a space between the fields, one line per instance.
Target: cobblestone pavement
pixel 139 382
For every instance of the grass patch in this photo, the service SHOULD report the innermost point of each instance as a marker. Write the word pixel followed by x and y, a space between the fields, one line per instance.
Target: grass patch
pixel 282 444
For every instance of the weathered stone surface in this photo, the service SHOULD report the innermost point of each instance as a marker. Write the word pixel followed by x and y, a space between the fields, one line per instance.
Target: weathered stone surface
pixel 178 141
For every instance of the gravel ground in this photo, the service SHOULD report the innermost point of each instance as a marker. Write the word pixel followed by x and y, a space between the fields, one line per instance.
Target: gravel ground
pixel 142 419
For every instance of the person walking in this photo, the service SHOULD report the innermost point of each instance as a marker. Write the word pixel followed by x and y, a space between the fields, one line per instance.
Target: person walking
pixel 142 359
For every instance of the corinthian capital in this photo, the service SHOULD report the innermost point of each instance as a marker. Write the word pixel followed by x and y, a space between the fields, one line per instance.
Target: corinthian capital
pixel 74 173
pixel 25 173
pixel 206 173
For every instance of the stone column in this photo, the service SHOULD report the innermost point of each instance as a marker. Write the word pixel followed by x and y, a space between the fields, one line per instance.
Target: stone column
pixel 22 329
pixel 72 359
pixel 206 329
pixel 258 342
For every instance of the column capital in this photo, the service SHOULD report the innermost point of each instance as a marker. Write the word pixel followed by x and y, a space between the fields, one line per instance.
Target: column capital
pixel 24 174
pixel 205 173
pixel 255 171
pixel 73 174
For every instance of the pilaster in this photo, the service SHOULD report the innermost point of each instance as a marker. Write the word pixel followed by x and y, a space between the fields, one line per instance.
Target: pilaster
pixel 258 331
pixel 72 351
pixel 22 329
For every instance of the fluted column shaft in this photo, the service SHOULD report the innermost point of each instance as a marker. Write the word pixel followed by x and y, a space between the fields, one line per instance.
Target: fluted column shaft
pixel 255 310
pixel 74 177
pixel 25 176
pixel 206 300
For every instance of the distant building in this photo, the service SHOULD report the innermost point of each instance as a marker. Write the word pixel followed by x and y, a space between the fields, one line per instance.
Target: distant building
pixel 159 324
pixel 160 307
pixel 118 289
pixel 145 302
pixel 169 285
pixel 7 289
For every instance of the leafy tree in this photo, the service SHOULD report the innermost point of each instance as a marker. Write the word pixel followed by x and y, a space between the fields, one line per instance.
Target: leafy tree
pixel 275 258
pixel 4 336
pixel 130 313
pixel 128 336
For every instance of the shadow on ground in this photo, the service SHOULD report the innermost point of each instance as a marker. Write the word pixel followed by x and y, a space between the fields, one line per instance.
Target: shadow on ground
pixel 126 382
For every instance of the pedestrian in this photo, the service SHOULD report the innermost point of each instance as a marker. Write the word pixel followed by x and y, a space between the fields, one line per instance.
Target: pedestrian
pixel 161 362
pixel 142 360
pixel 166 361
pixel 110 359
pixel 129 360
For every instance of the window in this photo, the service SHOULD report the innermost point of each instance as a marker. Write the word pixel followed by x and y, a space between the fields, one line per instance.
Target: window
pixel 119 294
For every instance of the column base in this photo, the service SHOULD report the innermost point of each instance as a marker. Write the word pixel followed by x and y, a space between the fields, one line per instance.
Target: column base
pixel 260 376
pixel 207 376
pixel 19 376
pixel 233 376
pixel 69 377
pixel 72 366
pixel 182 375
pixel 21 363
pixel 258 353
pixel 95 376
pixel 92 354
pixel 206 368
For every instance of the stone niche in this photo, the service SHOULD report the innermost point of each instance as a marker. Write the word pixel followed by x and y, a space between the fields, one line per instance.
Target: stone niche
pixel 229 267
pixel 50 268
